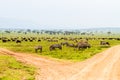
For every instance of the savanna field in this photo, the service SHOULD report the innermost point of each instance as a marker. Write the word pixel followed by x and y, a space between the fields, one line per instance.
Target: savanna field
pixel 30 39
pixel 59 40
pixel 67 53
pixel 11 69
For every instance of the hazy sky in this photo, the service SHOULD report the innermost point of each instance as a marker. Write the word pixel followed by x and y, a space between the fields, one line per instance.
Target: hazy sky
pixel 89 13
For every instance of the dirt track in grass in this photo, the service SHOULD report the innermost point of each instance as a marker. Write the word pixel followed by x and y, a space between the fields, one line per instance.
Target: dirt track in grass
pixel 102 66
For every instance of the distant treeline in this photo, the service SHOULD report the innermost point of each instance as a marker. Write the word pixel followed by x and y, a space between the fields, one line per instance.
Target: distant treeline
pixel 58 32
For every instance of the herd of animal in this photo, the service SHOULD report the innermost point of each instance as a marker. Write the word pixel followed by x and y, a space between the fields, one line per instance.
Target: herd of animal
pixel 79 43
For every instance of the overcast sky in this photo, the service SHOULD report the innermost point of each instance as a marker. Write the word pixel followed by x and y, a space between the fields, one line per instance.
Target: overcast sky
pixel 88 13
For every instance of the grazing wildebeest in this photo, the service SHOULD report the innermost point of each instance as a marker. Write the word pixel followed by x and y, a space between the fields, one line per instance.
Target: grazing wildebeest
pixel 38 48
pixel 18 41
pixel 64 43
pixel 49 40
pixel 117 38
pixel 104 43
pixel 4 40
pixel 52 40
pixel 82 45
pixel 52 47
pixel 30 40
pixel 55 40
pixel 39 40
pixel 70 45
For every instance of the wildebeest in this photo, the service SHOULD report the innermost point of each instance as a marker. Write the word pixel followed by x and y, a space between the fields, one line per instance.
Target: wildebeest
pixel 4 40
pixel 38 48
pixel 104 43
pixel 64 43
pixel 30 40
pixel 52 40
pixel 18 41
pixel 70 45
pixel 82 45
pixel 52 47
pixel 39 40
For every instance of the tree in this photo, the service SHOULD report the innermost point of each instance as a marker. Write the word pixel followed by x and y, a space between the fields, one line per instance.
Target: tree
pixel 108 32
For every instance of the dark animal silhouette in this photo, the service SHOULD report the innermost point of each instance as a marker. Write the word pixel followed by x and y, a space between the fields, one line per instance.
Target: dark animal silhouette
pixel 104 43
pixel 51 40
pixel 4 40
pixel 52 47
pixel 18 41
pixel 38 48
pixel 70 45
pixel 39 40
pixel 82 45
pixel 64 43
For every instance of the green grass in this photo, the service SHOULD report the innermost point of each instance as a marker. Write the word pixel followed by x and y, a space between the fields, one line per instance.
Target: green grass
pixel 66 53
pixel 10 69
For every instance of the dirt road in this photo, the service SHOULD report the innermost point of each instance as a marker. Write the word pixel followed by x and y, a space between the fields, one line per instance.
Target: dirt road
pixel 103 66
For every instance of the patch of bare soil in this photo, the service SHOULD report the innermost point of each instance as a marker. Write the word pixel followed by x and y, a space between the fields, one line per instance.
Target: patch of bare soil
pixel 103 66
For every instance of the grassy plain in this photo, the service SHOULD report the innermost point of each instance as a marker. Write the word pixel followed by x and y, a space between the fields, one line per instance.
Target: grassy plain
pixel 67 53
pixel 11 69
